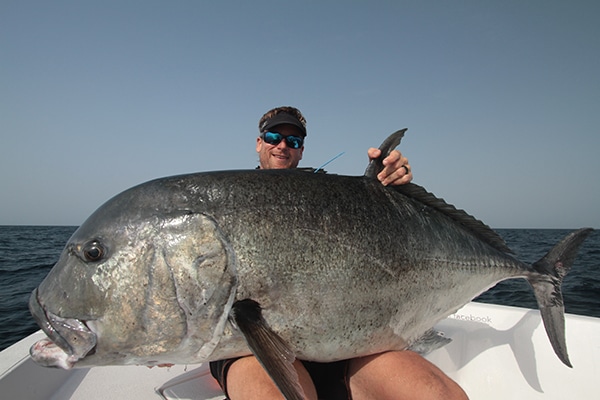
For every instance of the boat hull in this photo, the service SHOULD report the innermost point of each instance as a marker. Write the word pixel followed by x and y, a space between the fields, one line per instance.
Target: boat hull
pixel 496 352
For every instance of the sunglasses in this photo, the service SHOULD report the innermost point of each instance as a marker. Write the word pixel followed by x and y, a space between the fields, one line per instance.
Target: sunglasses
pixel 294 142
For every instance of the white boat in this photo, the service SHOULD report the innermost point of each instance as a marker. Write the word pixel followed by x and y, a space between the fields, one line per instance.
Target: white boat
pixel 497 352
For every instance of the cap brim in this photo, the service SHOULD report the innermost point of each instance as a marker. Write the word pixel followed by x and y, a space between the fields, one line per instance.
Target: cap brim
pixel 284 118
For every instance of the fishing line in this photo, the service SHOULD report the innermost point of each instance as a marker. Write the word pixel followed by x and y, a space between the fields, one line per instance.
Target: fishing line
pixel 339 155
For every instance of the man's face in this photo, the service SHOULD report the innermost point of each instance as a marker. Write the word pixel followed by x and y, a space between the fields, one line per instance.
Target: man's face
pixel 279 156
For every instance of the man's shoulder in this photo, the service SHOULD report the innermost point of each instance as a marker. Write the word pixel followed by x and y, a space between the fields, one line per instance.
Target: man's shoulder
pixel 313 170
pixel 308 169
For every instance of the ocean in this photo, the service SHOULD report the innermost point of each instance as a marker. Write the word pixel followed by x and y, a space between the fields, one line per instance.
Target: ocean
pixel 27 253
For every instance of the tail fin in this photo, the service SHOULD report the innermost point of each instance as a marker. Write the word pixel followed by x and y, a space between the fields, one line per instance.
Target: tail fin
pixel 547 287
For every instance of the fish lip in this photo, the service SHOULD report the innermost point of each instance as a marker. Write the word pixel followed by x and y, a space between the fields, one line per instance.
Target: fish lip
pixel 82 339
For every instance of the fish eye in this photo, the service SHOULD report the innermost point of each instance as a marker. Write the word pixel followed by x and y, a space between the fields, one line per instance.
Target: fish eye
pixel 93 251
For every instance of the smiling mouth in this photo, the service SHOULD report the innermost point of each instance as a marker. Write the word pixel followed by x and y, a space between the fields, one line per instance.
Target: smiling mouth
pixel 69 339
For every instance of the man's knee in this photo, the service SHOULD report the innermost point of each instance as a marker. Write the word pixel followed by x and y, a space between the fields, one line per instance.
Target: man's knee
pixel 399 375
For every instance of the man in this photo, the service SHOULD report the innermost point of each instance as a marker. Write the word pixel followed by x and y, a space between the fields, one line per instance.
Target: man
pixel 389 375
pixel 288 121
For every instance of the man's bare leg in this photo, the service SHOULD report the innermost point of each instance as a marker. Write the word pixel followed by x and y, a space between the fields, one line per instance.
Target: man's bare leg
pixel 247 380
pixel 400 375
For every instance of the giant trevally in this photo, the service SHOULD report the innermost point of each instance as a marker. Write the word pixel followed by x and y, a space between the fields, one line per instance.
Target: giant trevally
pixel 283 264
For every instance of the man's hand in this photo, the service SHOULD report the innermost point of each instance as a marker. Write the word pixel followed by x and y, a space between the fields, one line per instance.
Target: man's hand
pixel 396 170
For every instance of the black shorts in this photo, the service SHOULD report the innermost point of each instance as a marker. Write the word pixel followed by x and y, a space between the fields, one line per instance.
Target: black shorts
pixel 330 379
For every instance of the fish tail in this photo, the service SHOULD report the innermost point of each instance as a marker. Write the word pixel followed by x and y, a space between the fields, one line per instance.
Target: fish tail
pixel 551 269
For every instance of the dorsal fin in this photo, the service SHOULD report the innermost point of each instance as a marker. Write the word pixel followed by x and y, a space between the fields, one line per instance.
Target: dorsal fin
pixel 389 144
pixel 481 230
pixel 418 193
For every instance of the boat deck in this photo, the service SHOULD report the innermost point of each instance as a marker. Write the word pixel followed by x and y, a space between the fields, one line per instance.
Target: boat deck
pixel 497 352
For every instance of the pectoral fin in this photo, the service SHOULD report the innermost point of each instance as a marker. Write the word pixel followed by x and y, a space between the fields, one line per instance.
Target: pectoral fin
pixel 272 352
pixel 429 341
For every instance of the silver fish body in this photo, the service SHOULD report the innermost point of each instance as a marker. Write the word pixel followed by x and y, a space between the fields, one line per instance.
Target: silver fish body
pixel 337 267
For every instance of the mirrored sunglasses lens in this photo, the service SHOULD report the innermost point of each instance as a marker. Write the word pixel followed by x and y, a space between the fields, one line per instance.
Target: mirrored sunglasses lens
pixel 272 138
pixel 294 142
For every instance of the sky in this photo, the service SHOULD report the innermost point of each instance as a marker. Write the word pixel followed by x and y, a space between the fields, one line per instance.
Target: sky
pixel 501 98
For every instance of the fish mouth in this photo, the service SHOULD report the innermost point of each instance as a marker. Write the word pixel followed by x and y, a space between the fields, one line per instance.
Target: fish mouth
pixel 69 339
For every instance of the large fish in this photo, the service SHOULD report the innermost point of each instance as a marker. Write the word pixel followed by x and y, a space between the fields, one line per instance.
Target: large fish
pixel 282 264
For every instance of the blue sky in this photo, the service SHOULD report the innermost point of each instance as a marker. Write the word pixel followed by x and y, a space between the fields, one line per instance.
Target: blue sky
pixel 501 98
